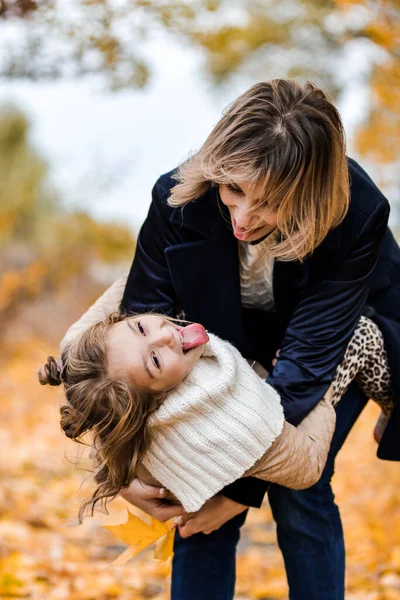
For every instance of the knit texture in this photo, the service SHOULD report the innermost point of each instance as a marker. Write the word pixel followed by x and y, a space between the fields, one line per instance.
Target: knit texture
pixel 213 426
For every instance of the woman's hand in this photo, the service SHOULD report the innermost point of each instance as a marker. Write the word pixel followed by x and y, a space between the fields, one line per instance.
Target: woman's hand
pixel 277 356
pixel 150 499
pixel 211 516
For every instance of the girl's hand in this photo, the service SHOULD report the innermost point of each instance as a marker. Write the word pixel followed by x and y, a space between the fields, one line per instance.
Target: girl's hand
pixel 211 516
pixel 150 499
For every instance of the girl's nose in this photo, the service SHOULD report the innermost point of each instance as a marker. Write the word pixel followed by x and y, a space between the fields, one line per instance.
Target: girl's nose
pixel 164 336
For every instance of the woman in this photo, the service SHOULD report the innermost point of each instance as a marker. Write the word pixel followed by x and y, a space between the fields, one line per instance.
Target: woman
pixel 272 182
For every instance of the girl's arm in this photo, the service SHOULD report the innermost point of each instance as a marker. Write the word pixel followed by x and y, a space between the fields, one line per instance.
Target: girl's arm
pixel 298 457
pixel 106 304
pixel 295 460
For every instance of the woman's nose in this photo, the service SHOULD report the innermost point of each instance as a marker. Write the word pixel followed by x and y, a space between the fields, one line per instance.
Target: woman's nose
pixel 243 218
pixel 243 213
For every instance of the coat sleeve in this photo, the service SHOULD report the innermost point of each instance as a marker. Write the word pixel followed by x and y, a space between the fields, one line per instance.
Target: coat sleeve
pixel 298 456
pixel 149 286
pixel 323 323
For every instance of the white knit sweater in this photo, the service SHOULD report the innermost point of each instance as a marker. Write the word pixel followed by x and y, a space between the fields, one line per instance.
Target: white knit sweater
pixel 213 426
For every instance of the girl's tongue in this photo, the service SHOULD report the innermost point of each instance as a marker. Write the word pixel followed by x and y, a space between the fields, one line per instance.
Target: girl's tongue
pixel 193 335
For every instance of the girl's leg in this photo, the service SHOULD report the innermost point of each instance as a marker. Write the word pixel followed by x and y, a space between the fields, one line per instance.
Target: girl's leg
pixel 365 361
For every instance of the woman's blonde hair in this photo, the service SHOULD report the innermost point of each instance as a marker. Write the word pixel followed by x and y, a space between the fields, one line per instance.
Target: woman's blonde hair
pixel 287 142
pixel 114 410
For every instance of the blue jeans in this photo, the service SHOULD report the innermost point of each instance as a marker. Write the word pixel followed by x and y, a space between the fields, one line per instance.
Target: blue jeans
pixel 309 530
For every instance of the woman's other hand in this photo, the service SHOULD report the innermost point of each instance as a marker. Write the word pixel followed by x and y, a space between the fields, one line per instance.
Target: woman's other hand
pixel 276 359
pixel 150 499
pixel 211 516
pixel 329 394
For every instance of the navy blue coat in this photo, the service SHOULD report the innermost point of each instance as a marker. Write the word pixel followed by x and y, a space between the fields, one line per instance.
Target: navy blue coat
pixel 187 260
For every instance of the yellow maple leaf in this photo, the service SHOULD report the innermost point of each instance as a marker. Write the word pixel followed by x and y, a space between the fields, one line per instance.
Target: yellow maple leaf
pixel 165 546
pixel 139 535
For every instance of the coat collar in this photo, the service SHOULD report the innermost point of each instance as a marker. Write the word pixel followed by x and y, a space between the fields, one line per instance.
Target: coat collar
pixel 333 239
pixel 207 216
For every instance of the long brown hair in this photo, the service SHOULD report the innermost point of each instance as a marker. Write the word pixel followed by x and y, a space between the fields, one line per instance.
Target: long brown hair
pixel 287 142
pixel 114 410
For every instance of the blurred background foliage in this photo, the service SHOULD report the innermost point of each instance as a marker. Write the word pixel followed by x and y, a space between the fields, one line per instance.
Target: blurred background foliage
pixel 55 260
pixel 46 251
pixel 308 38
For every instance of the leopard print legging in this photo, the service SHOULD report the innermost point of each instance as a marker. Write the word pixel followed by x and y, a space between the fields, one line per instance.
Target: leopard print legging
pixel 366 361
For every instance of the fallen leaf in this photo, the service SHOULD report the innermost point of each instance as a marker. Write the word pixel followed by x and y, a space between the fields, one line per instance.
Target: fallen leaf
pixel 165 546
pixel 139 535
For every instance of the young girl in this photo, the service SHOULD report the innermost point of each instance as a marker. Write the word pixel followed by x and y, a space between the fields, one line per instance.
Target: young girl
pixel 183 408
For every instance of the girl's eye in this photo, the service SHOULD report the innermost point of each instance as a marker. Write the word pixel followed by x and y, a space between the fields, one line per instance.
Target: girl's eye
pixel 141 330
pixel 156 362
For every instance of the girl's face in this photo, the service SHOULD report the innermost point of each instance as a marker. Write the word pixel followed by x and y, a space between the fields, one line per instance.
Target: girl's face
pixel 236 197
pixel 148 349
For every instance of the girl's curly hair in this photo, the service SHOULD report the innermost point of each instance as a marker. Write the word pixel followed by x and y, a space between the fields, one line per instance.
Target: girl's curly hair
pixel 114 411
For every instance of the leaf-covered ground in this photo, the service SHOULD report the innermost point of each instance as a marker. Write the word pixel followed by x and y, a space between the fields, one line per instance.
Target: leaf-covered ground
pixel 44 557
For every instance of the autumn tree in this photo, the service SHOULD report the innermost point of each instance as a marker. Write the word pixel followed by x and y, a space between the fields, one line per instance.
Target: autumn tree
pixel 256 38
pixel 43 246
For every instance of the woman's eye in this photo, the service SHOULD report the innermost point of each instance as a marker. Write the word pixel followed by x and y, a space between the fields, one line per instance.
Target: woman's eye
pixel 156 362
pixel 140 328
pixel 234 189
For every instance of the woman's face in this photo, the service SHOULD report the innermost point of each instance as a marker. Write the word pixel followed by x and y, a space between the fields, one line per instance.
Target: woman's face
pixel 236 197
pixel 148 349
